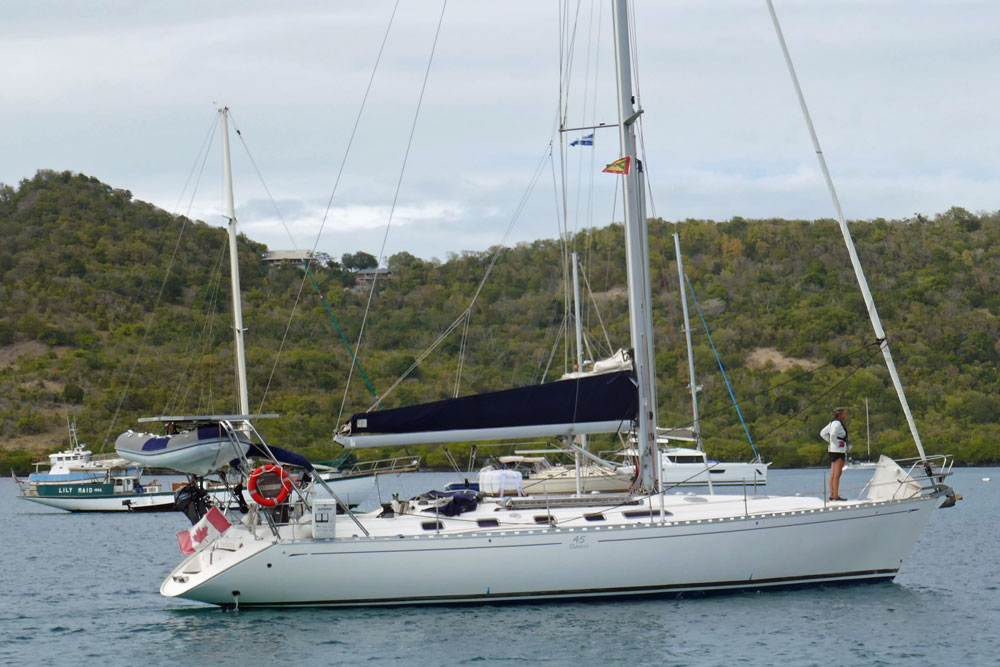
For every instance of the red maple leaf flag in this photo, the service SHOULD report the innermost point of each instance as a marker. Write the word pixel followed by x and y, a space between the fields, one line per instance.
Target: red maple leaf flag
pixel 203 533
pixel 199 534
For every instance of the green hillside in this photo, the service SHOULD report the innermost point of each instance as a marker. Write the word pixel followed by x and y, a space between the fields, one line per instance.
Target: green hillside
pixel 111 309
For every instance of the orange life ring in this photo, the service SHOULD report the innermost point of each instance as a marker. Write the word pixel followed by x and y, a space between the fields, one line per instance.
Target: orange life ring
pixel 259 498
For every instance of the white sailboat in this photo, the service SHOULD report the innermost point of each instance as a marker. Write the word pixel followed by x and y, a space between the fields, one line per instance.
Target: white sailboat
pixel 472 549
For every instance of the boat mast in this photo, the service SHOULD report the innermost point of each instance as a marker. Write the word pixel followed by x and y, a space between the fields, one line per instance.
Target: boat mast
pixel 687 335
pixel 636 241
pixel 868 431
pixel 579 359
pixel 234 268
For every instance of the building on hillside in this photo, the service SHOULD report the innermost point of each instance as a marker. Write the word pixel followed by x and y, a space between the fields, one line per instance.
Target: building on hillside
pixel 283 257
pixel 365 277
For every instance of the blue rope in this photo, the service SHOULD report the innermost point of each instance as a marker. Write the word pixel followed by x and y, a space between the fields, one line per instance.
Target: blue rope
pixel 719 361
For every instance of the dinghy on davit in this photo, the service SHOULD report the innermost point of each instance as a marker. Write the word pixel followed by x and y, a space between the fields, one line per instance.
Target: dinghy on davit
pixel 192 445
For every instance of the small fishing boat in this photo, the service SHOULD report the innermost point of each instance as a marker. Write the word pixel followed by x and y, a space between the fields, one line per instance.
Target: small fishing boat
pixel 76 481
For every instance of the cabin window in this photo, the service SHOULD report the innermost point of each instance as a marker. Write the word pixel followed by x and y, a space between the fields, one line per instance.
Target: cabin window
pixel 543 518
pixel 432 525
pixel 488 523
pixel 594 517
pixel 686 459
pixel 644 514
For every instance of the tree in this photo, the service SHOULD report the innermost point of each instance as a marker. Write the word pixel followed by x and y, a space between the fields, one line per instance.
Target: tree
pixel 73 393
pixel 359 260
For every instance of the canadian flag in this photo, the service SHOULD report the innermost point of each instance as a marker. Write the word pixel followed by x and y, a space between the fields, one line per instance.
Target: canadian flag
pixel 195 538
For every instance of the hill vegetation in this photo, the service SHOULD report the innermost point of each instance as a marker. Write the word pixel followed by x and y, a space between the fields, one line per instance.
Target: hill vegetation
pixel 111 309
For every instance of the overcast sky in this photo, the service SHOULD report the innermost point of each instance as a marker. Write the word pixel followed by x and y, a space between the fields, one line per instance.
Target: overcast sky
pixel 904 93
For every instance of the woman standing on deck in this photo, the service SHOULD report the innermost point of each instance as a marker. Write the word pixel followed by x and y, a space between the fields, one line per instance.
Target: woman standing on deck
pixel 835 434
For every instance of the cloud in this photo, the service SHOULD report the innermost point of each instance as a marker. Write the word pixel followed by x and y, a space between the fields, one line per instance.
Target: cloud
pixel 903 96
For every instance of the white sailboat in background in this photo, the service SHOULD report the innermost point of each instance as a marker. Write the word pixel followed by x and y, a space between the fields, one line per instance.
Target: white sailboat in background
pixel 474 549
pixel 867 464
pixel 686 466
pixel 198 445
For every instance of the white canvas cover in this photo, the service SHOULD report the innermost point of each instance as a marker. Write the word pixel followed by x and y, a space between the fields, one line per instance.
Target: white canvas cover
pixel 500 482
pixel 890 482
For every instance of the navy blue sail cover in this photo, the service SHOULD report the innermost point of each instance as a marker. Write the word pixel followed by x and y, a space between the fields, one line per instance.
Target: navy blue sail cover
pixel 280 455
pixel 595 398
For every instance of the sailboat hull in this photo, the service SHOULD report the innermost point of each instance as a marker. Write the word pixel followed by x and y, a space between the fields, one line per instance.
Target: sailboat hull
pixel 783 546
pixel 120 502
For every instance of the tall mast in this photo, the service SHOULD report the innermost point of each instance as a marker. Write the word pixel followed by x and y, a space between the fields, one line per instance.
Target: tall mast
pixel 579 359
pixel 640 317
pixel 687 335
pixel 234 268
pixel 576 312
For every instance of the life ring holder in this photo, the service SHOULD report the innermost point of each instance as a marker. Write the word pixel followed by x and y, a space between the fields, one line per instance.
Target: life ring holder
pixel 286 485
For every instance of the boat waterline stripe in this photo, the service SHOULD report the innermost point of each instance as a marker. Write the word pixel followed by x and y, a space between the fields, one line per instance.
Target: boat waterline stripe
pixel 435 548
pixel 863 575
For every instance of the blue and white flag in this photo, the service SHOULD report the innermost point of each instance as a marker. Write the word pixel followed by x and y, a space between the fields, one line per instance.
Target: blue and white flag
pixel 584 141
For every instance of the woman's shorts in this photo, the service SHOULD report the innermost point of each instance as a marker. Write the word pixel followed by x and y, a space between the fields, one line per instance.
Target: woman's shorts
pixel 837 456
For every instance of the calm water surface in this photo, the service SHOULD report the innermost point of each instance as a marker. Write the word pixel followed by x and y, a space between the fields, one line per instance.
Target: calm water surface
pixel 83 589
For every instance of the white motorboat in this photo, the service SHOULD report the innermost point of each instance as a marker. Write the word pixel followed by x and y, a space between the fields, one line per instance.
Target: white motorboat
pixel 311 551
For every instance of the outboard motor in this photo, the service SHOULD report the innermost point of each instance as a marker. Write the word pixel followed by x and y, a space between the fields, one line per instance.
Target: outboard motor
pixel 192 500
pixel 240 500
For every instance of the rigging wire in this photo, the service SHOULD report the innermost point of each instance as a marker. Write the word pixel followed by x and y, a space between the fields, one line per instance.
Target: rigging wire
pixel 498 250
pixel 202 157
pixel 395 199
pixel 725 377
pixel 563 234
pixel 326 215
pixel 867 360
pixel 566 68
pixel 298 295
pixel 852 252
pixel 461 353
pixel 181 389
pixel 152 316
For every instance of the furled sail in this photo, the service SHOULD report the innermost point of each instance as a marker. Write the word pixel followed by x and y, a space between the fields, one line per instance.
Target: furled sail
pixel 604 403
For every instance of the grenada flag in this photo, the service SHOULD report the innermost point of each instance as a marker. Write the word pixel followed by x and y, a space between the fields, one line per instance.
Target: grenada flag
pixel 618 166
pixel 203 533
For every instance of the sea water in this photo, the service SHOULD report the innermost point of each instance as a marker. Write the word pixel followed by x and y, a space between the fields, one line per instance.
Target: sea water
pixel 82 589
